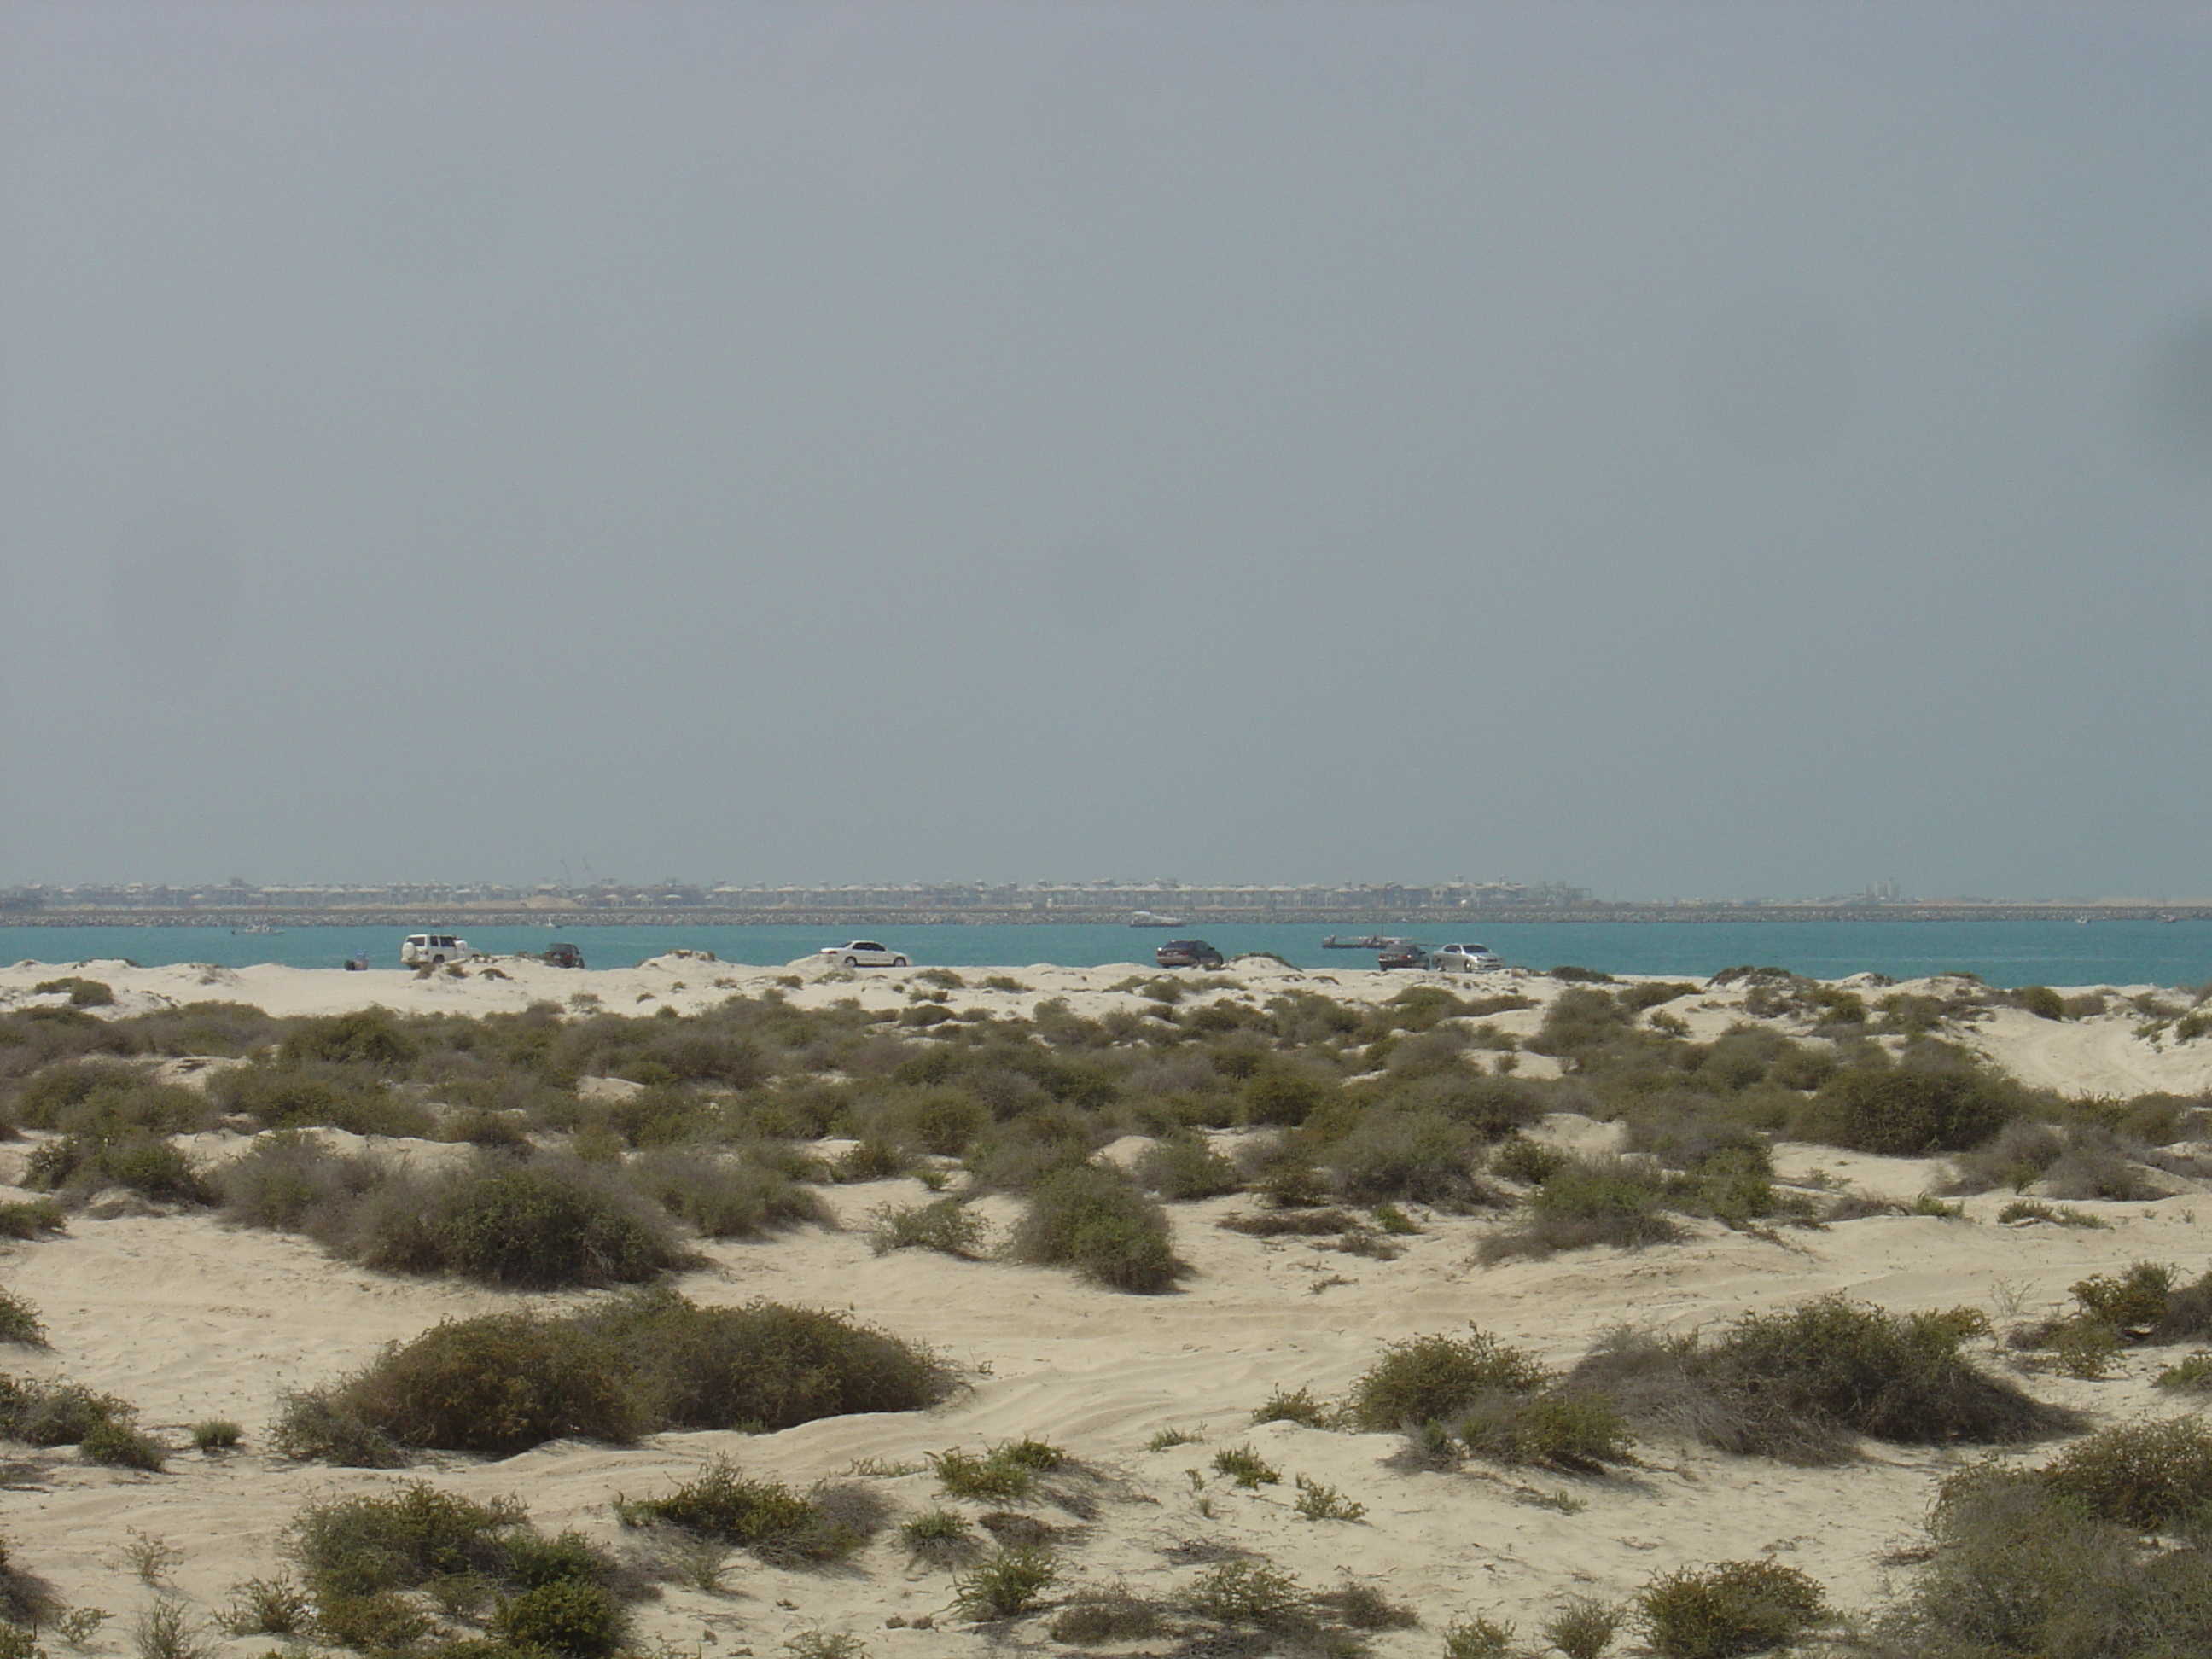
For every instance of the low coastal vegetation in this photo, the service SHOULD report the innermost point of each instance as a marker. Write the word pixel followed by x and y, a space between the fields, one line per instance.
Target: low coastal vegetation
pixel 604 1156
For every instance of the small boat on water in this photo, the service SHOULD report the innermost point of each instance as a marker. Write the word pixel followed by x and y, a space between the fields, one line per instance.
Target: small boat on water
pixel 259 927
pixel 1365 942
pixel 1146 919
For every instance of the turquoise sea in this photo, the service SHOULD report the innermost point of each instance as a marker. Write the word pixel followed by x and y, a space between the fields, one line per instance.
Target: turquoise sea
pixel 2006 953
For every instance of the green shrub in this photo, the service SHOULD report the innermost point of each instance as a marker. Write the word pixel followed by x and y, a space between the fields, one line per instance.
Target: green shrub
pixel 1732 1607
pixel 1294 1405
pixel 1575 1432
pixel 723 1197
pixel 1519 1158
pixel 941 1537
pixel 2133 1303
pixel 2143 1476
pixel 1245 1592
pixel 1183 1168
pixel 946 1225
pixel 764 1364
pixel 765 1516
pixel 29 1218
pixel 1008 1583
pixel 214 1434
pixel 497 1383
pixel 1245 1467
pixel 568 1616
pixel 371 1544
pixel 1092 1220
pixel 541 1225
pixel 1003 1472
pixel 1910 1111
pixel 268 1606
pixel 1478 1638
pixel 119 1445
pixel 1429 1379
pixel 1420 1157
pixel 19 1321
pixel 1582 1629
pixel 2193 1373
pixel 314 1423
pixel 1316 1502
pixel 1587 1201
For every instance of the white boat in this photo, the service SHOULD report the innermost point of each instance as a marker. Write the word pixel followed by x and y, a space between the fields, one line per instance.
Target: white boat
pixel 1146 919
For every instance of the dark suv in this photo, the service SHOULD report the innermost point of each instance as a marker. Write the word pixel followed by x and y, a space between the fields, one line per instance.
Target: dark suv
pixel 563 956
pixel 1189 953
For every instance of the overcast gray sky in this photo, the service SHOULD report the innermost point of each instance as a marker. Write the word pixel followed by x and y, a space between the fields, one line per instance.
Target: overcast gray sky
pixel 1680 449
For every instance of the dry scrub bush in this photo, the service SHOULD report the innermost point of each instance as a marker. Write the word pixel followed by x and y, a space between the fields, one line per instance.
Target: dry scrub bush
pixel 1183 1168
pixel 102 1428
pixel 1099 1616
pixel 1092 1220
pixel 1945 1104
pixel 505 1382
pixel 1583 1202
pixel 2143 1476
pixel 1431 1379
pixel 2022 1572
pixel 1416 1156
pixel 945 1225
pixel 1729 1608
pixel 1799 1384
pixel 721 1195
pixel 779 1525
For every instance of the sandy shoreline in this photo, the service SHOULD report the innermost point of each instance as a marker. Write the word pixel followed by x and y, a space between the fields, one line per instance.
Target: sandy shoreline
pixel 191 1319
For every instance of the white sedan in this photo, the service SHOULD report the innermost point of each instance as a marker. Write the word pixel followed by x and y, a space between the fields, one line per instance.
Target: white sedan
pixel 864 953
pixel 1467 959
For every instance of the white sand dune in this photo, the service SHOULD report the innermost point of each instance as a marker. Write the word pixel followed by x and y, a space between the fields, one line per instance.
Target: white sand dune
pixel 192 1320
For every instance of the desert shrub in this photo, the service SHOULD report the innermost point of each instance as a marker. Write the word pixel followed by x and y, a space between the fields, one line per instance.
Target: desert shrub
pixel 1429 1379
pixel 1005 1471
pixel 2019 1570
pixel 941 1537
pixel 763 1364
pixel 2142 1475
pixel 216 1434
pixel 1095 1617
pixel 1246 1466
pixel 2094 1166
pixel 567 1616
pixel 1910 1110
pixel 1294 1405
pixel 268 1606
pixel 943 1121
pixel 2193 1374
pixel 78 1162
pixel 29 1218
pixel 946 1225
pixel 1587 1201
pixel 1731 1608
pixel 1183 1168
pixel 723 1197
pixel 2134 1302
pixel 1422 1157
pixel 288 1179
pixel 1799 1383
pixel 765 1516
pixel 1519 1158
pixel 1579 1021
pixel 1092 1220
pixel 498 1384
pixel 119 1445
pixel 1316 1502
pixel 2041 1001
pixel 1575 1432
pixel 1582 1629
pixel 319 1095
pixel 1286 1099
pixel 2018 1154
pixel 1009 1583
pixel 19 1321
pixel 401 1540
pixel 1478 1638
pixel 1246 1592
pixel 2188 1313
pixel 543 1225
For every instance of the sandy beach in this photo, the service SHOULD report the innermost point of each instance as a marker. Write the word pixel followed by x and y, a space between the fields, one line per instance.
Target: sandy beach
pixel 191 1318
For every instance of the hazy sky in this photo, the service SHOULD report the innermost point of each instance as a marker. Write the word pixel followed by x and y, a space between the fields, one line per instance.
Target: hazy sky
pixel 1679 449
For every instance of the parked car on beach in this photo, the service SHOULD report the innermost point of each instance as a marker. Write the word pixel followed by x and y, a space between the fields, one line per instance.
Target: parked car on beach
pixel 563 955
pixel 433 949
pixel 1404 954
pixel 1188 953
pixel 1467 959
pixel 864 953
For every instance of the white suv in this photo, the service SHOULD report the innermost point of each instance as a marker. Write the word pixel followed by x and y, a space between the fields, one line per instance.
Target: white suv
pixel 433 949
pixel 864 953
